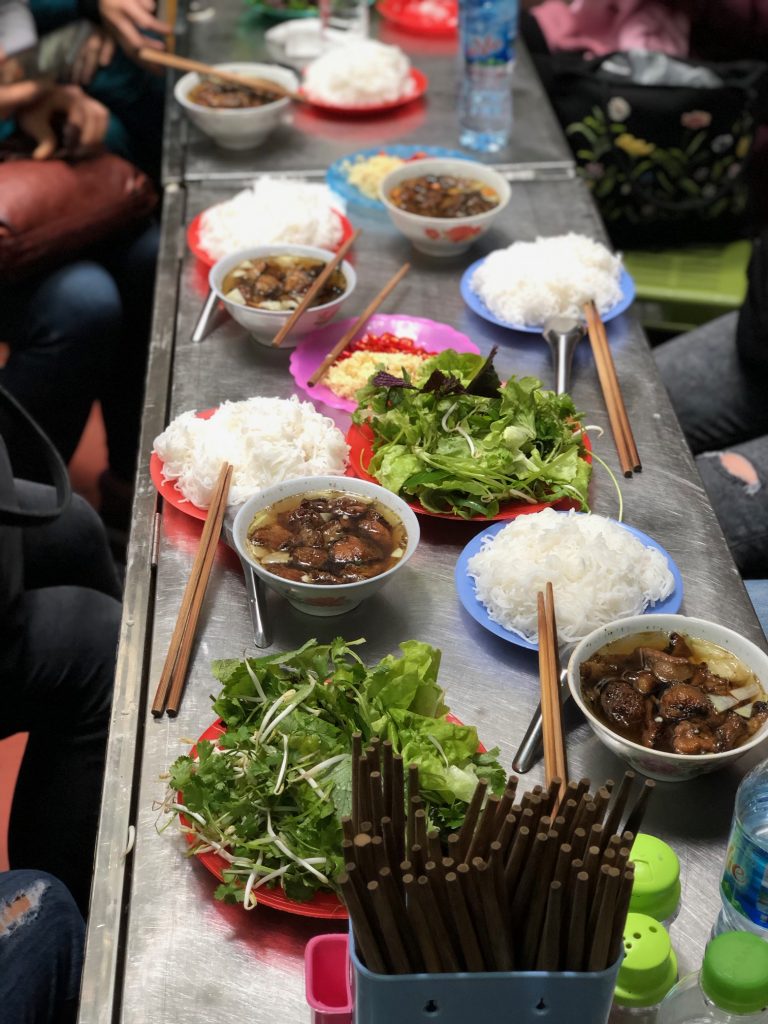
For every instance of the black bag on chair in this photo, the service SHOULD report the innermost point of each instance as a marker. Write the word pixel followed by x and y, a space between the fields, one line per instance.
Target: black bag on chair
pixel 662 143
pixel 17 427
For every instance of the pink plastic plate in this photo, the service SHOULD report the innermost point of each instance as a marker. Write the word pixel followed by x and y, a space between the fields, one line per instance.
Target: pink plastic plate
pixel 309 353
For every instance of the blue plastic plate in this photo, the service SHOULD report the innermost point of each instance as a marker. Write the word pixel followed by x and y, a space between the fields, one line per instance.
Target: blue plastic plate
pixel 477 305
pixel 465 585
pixel 336 176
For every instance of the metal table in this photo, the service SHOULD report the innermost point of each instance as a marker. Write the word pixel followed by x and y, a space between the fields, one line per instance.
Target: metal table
pixel 160 948
pixel 314 140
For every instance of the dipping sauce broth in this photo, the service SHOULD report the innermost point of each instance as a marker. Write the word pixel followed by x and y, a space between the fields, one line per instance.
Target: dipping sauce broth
pixel 225 96
pixel 674 693
pixel 280 282
pixel 443 195
pixel 327 537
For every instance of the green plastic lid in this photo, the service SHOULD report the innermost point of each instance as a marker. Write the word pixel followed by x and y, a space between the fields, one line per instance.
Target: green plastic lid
pixel 656 889
pixel 649 968
pixel 734 974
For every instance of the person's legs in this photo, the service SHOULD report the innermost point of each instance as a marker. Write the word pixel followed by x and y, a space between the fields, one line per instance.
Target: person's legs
pixel 72 550
pixel 42 936
pixel 132 265
pixel 718 401
pixel 737 484
pixel 60 330
pixel 57 663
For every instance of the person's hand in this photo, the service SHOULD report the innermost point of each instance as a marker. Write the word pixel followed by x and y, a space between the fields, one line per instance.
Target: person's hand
pixel 89 117
pixel 15 91
pixel 129 20
pixel 96 52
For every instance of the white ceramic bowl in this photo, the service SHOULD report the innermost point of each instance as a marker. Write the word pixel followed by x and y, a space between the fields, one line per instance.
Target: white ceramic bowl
pixel 242 128
pixel 264 324
pixel 443 236
pixel 655 763
pixel 314 598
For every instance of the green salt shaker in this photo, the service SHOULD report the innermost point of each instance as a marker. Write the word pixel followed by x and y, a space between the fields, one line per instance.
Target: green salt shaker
pixel 656 889
pixel 648 971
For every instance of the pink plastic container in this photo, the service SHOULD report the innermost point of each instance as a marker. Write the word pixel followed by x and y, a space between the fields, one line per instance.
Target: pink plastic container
pixel 326 977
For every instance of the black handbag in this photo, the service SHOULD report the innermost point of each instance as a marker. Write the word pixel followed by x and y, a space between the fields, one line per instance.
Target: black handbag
pixel 662 144
pixel 18 428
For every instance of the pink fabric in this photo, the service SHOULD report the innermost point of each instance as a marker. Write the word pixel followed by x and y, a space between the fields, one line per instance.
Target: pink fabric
pixel 602 26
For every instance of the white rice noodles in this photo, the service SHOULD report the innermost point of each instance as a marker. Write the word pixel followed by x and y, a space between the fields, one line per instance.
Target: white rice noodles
pixel 272 211
pixel 267 440
pixel 599 572
pixel 530 281
pixel 359 74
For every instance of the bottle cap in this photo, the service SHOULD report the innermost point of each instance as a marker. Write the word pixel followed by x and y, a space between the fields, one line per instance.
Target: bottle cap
pixel 734 974
pixel 649 968
pixel 656 889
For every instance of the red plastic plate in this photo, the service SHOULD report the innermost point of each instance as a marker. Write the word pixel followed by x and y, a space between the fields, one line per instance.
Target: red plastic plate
pixel 423 17
pixel 360 441
pixel 418 86
pixel 325 905
pixel 195 246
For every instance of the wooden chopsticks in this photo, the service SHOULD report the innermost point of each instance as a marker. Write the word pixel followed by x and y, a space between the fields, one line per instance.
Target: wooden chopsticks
pixel 263 86
pixel 555 764
pixel 314 288
pixel 614 400
pixel 521 886
pixel 367 313
pixel 171 686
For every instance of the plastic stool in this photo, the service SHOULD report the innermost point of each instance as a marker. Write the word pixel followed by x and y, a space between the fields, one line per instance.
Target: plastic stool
pixel 679 289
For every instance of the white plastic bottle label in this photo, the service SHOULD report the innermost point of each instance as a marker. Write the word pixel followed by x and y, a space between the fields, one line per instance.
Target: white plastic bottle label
pixel 745 878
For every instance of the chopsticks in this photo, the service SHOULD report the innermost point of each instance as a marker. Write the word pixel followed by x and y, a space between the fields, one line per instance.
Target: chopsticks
pixel 519 887
pixel 626 448
pixel 367 313
pixel 555 765
pixel 262 86
pixel 171 686
pixel 314 288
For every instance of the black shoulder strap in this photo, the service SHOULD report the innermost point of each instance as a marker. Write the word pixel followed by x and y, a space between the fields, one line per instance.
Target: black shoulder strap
pixel 15 419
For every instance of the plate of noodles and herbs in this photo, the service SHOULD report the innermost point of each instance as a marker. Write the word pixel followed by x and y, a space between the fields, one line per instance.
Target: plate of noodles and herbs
pixel 456 442
pixel 521 286
pixel 391 342
pixel 272 835
pixel 600 569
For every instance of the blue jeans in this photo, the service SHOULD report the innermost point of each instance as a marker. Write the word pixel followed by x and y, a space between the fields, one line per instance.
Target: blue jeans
pixel 41 949
pixel 80 333
pixel 58 639
pixel 722 407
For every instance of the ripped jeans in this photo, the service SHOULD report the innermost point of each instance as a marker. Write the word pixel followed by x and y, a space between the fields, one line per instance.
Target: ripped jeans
pixel 722 406
pixel 41 949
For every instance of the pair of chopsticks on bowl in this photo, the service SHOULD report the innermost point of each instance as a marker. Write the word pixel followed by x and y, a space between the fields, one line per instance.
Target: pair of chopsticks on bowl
pixel 555 762
pixel 170 689
pixel 614 400
pixel 349 335
pixel 260 86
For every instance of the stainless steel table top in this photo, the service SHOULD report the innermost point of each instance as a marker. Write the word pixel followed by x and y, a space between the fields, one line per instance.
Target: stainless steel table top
pixel 175 953
pixel 313 140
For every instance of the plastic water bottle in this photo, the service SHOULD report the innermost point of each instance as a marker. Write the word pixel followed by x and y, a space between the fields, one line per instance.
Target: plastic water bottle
pixel 488 32
pixel 731 988
pixel 647 973
pixel 744 885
